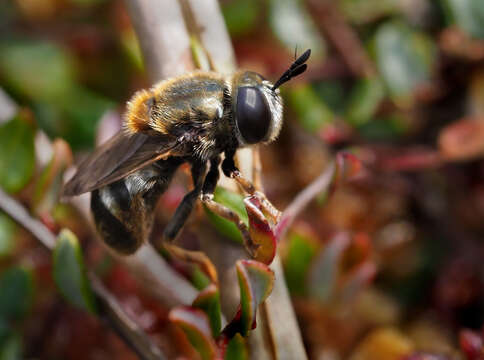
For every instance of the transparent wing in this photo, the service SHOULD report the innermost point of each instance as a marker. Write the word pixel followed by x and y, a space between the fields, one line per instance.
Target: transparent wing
pixel 120 156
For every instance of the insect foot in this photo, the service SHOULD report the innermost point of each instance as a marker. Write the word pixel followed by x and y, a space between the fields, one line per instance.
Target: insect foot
pixel 264 204
pixel 194 257
pixel 260 231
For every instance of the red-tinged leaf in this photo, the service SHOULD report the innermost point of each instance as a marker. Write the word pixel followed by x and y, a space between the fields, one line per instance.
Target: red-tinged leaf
pixel 260 231
pixel 325 270
pixel 410 159
pixel 195 324
pixel 208 300
pixel 347 167
pixel 256 281
pixel 463 139
pixel 471 344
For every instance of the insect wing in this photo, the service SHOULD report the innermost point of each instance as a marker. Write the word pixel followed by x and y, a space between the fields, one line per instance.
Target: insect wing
pixel 120 156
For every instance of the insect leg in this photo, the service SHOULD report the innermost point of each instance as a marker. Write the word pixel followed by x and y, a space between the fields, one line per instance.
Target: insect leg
pixel 230 170
pixel 186 205
pixel 178 220
pixel 221 210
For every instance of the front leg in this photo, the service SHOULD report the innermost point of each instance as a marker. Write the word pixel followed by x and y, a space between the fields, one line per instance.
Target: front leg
pixel 221 210
pixel 230 170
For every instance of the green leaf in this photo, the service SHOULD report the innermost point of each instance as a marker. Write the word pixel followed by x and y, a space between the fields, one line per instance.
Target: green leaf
pixel 364 100
pixel 196 326
pixel 466 14
pixel 73 116
pixel 36 70
pixel 69 272
pixel 236 349
pixel 301 250
pixel 4 330
pixel 130 45
pixel 199 279
pixel 255 281
pixel 208 300
pixel 234 202
pixel 241 15
pixel 11 348
pixel 405 59
pixel 294 27
pixel 365 11
pixel 7 234
pixel 385 128
pixel 16 293
pixel 17 157
pixel 312 112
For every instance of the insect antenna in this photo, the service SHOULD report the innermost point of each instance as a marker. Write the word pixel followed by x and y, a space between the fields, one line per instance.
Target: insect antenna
pixel 297 68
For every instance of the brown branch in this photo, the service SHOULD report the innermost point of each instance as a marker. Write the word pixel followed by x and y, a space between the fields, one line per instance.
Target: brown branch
pixel 302 199
pixel 345 40
pixel 109 308
pixel 164 40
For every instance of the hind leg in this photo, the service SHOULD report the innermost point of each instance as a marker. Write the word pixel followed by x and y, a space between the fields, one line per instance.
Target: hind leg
pixel 176 223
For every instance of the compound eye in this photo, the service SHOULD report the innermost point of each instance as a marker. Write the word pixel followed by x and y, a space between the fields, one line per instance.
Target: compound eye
pixel 253 114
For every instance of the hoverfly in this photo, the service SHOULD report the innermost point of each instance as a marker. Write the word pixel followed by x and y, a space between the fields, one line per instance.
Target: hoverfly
pixel 191 119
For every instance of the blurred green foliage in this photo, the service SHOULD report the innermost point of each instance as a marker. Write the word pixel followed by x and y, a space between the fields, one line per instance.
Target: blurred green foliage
pixel 17 158
pixel 70 274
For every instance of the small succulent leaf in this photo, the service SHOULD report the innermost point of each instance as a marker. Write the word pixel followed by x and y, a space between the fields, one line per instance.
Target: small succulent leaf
pixel 11 348
pixel 462 139
pixel 196 326
pixel 325 268
pixel 49 185
pixel 347 167
pixel 16 293
pixel 7 234
pixel 236 349
pixel 292 24
pixel 466 14
pixel 260 232
pixel 17 157
pixel 301 250
pixel 131 48
pixel 241 15
pixel 36 69
pixel 69 272
pixel 364 101
pixel 234 202
pixel 405 59
pixel 199 279
pixel 255 281
pixel 313 113
pixel 208 300
pixel 365 11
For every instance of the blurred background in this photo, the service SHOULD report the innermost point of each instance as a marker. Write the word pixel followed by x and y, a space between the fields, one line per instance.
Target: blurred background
pixel 390 266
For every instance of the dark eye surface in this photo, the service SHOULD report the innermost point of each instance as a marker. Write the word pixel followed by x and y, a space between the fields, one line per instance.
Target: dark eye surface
pixel 253 114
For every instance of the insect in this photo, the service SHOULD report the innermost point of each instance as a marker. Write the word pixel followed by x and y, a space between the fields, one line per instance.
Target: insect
pixel 194 118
